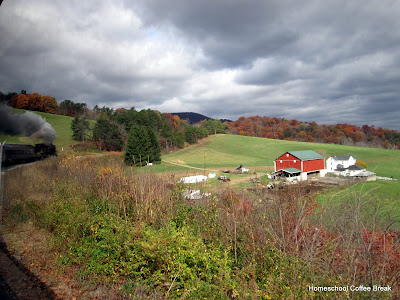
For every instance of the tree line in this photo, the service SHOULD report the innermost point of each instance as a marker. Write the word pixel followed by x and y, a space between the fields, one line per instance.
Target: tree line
pixel 172 132
pixel 143 134
pixel 32 101
pixel 294 130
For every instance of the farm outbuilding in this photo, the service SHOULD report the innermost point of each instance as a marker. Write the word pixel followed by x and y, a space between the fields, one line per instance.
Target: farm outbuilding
pixel 306 161
pixel 289 174
pixel 355 171
pixel 300 163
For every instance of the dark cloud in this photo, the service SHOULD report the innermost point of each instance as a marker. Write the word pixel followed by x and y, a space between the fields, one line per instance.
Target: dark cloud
pixel 231 33
pixel 336 61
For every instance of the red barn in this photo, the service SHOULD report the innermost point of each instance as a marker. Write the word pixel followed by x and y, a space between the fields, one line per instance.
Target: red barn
pixel 304 161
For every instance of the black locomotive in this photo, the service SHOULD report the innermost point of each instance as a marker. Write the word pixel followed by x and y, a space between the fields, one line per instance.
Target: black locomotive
pixel 14 154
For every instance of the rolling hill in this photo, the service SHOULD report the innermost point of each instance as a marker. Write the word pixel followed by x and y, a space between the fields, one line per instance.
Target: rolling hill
pixel 194 118
pixel 232 150
pixel 229 151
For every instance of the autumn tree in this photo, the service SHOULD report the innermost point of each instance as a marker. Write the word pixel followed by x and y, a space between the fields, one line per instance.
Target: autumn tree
pixel 361 163
pixel 302 135
pixel 22 101
pixel 72 109
pixel 35 102
pixel 49 105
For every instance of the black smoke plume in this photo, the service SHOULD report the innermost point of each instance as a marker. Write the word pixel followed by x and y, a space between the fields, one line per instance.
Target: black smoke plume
pixel 28 124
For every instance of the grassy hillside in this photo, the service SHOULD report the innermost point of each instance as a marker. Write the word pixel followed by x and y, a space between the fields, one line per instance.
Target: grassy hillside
pixel 61 124
pixel 232 150
pixel 378 197
pixel 378 202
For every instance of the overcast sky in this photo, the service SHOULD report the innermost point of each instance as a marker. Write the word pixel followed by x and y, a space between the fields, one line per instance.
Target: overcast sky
pixel 324 61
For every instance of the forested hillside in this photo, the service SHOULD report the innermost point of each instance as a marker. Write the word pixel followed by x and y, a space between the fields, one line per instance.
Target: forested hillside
pixel 176 128
pixel 294 130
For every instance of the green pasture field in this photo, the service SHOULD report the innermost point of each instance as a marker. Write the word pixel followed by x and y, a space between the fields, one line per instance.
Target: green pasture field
pixel 377 199
pixel 229 151
pixel 378 202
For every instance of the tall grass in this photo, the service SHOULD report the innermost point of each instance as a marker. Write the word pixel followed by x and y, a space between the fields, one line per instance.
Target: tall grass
pixel 134 231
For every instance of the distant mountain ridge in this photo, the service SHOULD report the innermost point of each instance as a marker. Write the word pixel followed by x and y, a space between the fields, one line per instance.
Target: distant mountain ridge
pixel 194 118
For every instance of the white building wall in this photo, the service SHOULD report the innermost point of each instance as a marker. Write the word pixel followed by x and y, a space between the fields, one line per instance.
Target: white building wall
pixel 331 163
pixel 354 172
pixel 323 172
pixel 303 176
pixel 350 162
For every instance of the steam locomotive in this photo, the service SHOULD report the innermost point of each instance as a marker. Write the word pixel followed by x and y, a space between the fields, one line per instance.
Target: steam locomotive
pixel 14 154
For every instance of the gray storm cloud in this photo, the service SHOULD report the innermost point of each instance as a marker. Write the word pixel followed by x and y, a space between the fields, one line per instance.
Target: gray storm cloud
pixel 27 124
pixel 223 59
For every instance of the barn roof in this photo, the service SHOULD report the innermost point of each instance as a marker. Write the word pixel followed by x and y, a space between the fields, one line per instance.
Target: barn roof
pixel 291 170
pixel 306 155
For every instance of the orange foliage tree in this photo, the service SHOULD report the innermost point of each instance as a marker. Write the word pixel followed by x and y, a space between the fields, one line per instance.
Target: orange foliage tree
pixel 281 128
pixel 35 102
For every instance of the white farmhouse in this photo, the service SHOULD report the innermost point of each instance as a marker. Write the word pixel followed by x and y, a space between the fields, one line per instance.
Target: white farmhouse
pixel 345 166
pixel 341 162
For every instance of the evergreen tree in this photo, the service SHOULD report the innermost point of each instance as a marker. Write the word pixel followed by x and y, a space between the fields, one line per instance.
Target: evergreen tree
pixel 155 149
pixel 142 146
pixel 107 135
pixel 80 127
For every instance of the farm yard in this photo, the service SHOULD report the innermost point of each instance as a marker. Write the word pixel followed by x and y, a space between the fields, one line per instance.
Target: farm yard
pixel 228 151
pixel 109 229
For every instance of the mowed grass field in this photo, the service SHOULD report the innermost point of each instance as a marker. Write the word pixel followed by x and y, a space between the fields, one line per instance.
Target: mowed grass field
pixel 379 201
pixel 228 151
pixel 61 124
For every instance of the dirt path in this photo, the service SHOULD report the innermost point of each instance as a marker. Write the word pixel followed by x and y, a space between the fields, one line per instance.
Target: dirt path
pixel 187 166
pixel 247 178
